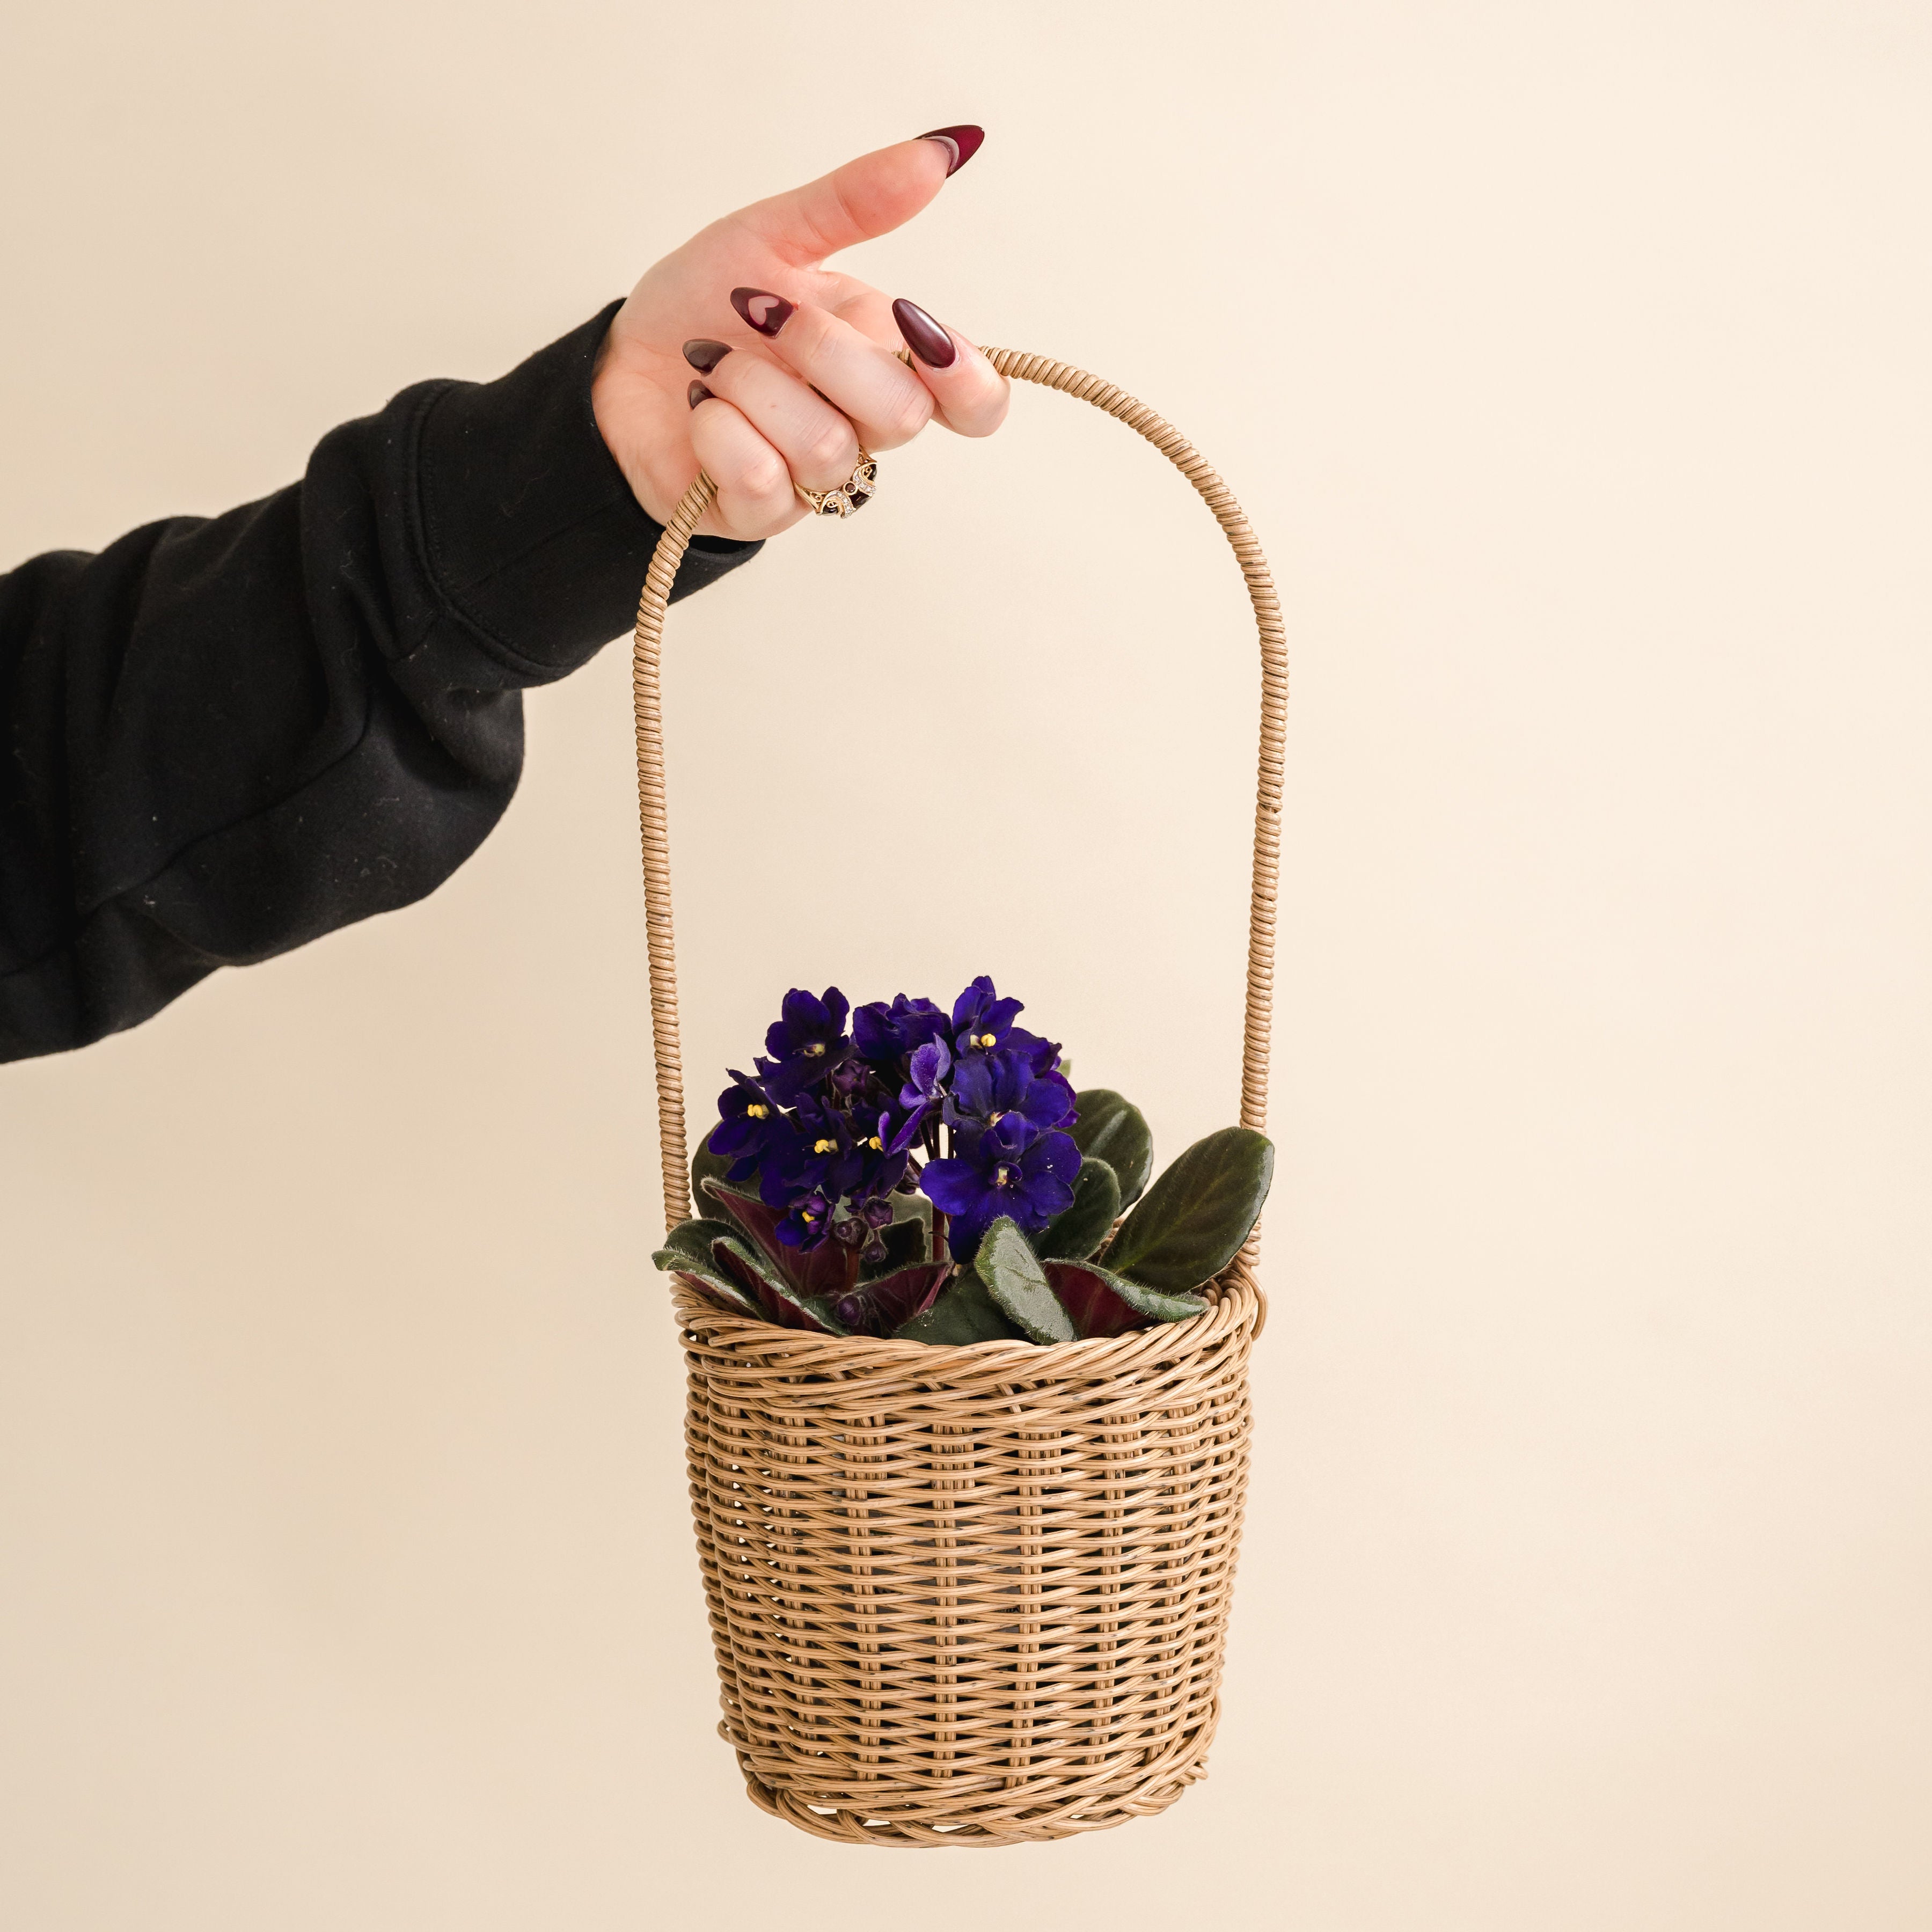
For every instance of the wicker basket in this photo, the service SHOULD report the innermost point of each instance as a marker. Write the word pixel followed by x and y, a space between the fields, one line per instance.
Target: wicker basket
pixel 969 1596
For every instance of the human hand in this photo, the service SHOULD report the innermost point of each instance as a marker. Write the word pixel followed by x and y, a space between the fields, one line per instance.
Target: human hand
pixel 805 370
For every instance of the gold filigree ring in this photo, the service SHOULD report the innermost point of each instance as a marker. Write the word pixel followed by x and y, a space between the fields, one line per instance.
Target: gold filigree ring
pixel 850 494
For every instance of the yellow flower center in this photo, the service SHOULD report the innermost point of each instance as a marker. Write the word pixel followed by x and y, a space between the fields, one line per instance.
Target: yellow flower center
pixel 986 1039
pixel 1003 1177
pixel 758 1110
pixel 825 1146
pixel 817 1047
pixel 873 1144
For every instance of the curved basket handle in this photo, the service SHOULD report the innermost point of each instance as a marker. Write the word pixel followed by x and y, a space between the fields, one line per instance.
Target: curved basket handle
pixel 646 695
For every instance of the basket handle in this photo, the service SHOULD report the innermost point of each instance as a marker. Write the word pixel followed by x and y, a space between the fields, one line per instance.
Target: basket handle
pixel 647 699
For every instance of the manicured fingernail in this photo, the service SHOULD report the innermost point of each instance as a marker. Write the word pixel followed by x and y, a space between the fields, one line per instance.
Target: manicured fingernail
pixel 960 144
pixel 697 393
pixel 766 312
pixel 705 356
pixel 927 339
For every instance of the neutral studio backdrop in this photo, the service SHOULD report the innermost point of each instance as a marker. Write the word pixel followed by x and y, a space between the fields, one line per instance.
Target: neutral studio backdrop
pixel 1571 362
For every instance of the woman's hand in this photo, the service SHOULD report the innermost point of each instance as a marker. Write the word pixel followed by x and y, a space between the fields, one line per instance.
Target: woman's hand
pixel 741 355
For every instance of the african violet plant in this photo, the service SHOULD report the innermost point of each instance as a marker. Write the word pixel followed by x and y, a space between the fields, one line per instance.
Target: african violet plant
pixel 935 1176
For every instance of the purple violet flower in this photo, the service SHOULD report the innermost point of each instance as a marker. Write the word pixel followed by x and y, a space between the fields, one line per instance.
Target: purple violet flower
pixel 749 1127
pixel 1004 1170
pixel 884 1033
pixel 805 1044
pixel 981 1018
pixel 993 1088
pixel 808 1223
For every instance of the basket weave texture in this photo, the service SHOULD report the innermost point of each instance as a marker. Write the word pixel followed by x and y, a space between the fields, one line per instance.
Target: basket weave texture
pixel 969 1596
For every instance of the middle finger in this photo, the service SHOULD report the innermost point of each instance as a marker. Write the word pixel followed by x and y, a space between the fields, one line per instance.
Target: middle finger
pixel 819 445
pixel 889 403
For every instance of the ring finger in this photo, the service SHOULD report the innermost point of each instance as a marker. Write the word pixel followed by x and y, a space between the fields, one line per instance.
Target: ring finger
pixel 755 497
pixel 819 445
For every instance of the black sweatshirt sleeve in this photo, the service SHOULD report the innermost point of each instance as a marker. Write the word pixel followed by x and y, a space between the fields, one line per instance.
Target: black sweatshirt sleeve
pixel 223 737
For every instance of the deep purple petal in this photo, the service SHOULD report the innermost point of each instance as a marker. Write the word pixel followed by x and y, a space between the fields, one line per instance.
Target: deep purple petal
pixel 1045 1103
pixel 805 1015
pixel 910 1133
pixel 1044 1196
pixel 971 1001
pixel 872 1032
pixel 1057 1153
pixel 954 1186
pixel 973 1087
pixel 999 1016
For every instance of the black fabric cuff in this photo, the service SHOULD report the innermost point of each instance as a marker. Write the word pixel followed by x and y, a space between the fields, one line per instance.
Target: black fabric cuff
pixel 532 535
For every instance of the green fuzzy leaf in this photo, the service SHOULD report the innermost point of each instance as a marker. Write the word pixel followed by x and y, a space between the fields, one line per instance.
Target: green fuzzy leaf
pixel 1074 1234
pixel 686 1255
pixel 705 1165
pixel 965 1313
pixel 692 1240
pixel 1115 1130
pixel 1007 1264
pixel 1103 1303
pixel 1196 1215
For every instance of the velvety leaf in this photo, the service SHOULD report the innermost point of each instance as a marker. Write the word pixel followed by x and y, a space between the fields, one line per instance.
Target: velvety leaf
pixel 878 1306
pixel 964 1313
pixel 1074 1234
pixel 829 1270
pixel 905 1242
pixel 686 1257
pixel 1115 1130
pixel 1196 1215
pixel 1012 1271
pixel 693 1239
pixel 777 1300
pixel 705 1165
pixel 1101 1303
pixel 720 1293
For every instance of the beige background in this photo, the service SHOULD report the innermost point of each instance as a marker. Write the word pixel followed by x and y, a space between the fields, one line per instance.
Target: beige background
pixel 1572 362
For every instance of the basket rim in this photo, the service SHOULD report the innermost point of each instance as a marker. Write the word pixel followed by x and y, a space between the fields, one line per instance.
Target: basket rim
pixel 1240 1306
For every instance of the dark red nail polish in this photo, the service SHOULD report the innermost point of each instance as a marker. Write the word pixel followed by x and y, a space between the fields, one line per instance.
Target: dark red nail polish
pixel 705 356
pixel 697 393
pixel 960 144
pixel 927 339
pixel 766 312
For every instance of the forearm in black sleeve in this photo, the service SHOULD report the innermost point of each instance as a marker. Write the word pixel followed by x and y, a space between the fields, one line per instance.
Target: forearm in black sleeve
pixel 221 738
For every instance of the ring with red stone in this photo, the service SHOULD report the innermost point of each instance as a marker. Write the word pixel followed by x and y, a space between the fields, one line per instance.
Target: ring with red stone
pixel 852 494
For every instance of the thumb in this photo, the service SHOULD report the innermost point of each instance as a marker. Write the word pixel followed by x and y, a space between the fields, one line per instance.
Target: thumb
pixel 872 196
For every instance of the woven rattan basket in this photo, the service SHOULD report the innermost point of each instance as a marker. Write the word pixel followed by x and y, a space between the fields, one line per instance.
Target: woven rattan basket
pixel 969 1596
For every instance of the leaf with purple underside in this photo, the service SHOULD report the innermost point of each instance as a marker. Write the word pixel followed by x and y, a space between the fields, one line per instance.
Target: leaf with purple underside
pixel 777 1300
pixel 686 1256
pixel 1102 1303
pixel 879 1307
pixel 829 1270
